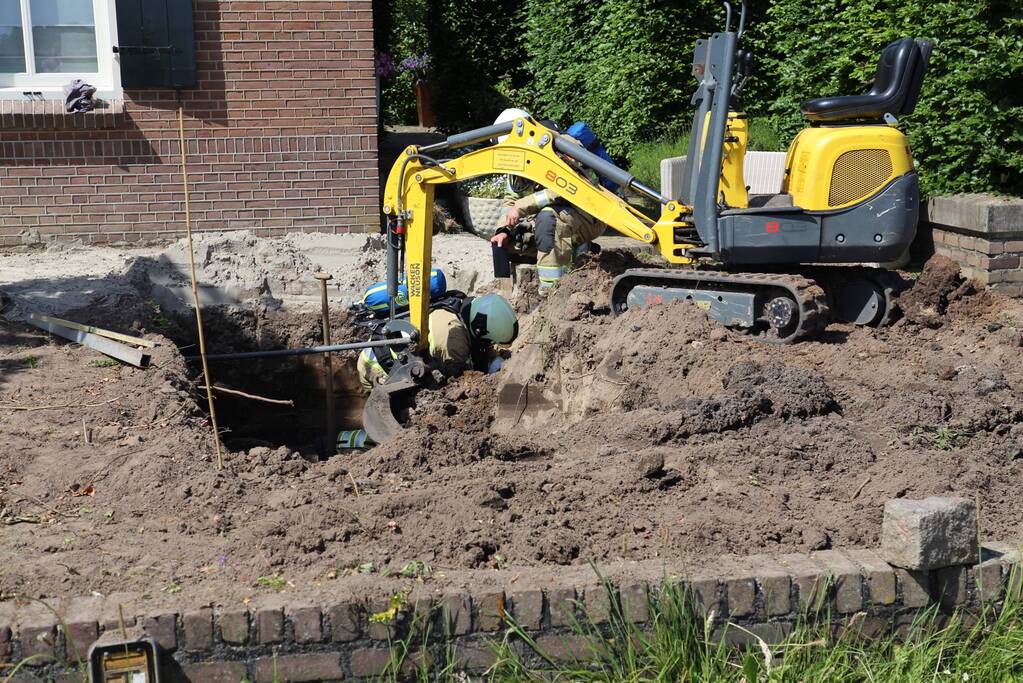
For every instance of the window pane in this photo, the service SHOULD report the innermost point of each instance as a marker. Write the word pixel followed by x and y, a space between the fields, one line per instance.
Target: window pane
pixel 64 35
pixel 62 13
pixel 12 42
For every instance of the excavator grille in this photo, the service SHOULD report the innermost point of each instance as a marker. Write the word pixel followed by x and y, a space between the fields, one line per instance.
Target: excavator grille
pixel 858 174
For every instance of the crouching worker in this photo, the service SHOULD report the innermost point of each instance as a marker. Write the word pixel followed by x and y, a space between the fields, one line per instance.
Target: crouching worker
pixel 463 331
pixel 560 231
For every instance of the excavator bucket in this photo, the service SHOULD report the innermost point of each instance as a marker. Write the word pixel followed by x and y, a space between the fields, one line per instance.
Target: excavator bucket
pixel 388 404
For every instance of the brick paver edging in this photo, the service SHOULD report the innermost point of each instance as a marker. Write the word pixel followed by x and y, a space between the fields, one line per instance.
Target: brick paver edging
pixel 306 641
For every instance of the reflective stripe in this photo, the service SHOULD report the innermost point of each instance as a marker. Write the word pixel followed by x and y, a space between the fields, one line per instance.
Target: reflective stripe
pixel 550 276
pixel 543 199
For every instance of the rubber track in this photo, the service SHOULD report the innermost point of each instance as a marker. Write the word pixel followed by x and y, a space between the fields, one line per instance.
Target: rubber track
pixel 814 312
pixel 889 282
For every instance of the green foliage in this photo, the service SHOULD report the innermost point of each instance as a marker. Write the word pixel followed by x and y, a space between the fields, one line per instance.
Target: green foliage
pixel 645 157
pixel 621 65
pixel 477 60
pixel 967 130
pixel 400 28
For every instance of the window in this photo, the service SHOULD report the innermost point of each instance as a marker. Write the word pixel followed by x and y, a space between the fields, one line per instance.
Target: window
pixel 45 44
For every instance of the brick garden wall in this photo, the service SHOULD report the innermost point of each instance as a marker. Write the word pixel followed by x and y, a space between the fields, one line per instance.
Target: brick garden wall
pixel 281 129
pixel 333 638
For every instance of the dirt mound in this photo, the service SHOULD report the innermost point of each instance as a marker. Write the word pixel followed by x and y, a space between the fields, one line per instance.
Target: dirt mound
pixel 655 434
pixel 941 294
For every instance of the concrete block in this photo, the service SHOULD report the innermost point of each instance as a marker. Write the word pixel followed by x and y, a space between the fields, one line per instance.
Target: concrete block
pixel 951 585
pixel 380 630
pixel 369 662
pixel 989 578
pixel 930 533
pixel 5 643
pixel 490 609
pixel 215 672
pixel 78 638
pixel 567 648
pixel 307 622
pixel 879 575
pixel 456 611
pixel 845 577
pixel 198 630
pixel 38 641
pixel 527 608
pixel 776 587
pixel 915 587
pixel 163 629
pixel 474 657
pixel 234 627
pixel 772 633
pixel 270 625
pixel 741 593
pixel 561 606
pixel 344 622
pixel 810 579
pixel 635 602
pixel 597 604
pixel 705 595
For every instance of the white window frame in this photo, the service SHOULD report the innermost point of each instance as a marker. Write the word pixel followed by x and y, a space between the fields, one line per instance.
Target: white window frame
pixel 107 80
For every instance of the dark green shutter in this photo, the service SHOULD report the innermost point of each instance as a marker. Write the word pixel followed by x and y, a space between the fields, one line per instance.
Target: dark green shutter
pixel 156 43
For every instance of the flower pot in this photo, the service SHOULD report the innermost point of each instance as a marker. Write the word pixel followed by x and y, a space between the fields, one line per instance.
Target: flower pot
pixel 423 109
pixel 482 216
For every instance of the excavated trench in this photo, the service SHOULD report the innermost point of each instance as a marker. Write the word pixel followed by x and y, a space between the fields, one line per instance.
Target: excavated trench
pixel 246 422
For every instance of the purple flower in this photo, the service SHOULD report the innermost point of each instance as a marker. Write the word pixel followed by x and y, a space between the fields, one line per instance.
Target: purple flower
pixel 418 65
pixel 385 65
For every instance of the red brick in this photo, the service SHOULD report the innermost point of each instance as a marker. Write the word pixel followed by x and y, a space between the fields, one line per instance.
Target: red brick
pixel 299 668
pixel 369 662
pixel 215 672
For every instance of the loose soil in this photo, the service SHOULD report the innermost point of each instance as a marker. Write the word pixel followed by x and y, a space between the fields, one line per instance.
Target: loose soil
pixel 656 434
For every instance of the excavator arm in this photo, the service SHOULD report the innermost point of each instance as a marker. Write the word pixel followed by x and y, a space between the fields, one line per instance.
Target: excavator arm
pixel 528 150
pixel 522 148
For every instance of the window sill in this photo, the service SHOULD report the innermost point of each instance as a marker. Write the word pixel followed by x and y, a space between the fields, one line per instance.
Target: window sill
pixel 51 115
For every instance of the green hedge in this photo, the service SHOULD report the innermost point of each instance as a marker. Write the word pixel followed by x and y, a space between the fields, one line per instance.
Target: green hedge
pixel 620 65
pixel 967 130
pixel 624 67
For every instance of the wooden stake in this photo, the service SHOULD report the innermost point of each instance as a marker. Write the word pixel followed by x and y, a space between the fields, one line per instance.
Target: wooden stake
pixel 195 284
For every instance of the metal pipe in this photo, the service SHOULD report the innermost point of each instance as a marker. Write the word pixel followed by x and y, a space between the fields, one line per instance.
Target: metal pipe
pixel 649 192
pixel 328 366
pixel 470 137
pixel 305 351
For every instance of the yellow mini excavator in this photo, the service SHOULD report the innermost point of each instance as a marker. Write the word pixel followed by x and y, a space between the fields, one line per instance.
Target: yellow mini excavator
pixel 778 267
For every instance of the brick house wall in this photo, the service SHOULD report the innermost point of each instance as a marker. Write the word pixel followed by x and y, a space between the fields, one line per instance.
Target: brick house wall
pixel 281 136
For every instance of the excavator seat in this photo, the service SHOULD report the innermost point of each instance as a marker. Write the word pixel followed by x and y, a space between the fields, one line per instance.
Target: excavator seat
pixel 896 88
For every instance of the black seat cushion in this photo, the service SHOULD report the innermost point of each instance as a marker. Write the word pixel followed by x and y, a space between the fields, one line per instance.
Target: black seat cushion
pixel 895 89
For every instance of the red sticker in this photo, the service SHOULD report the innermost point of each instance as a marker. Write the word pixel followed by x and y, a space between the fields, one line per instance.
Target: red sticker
pixel 772 226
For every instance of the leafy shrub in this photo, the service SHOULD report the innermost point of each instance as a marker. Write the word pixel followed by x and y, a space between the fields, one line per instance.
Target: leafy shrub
pixel 967 130
pixel 620 65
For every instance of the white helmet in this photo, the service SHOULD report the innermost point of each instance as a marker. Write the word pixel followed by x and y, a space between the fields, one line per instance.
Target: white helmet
pixel 510 115
pixel 492 317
